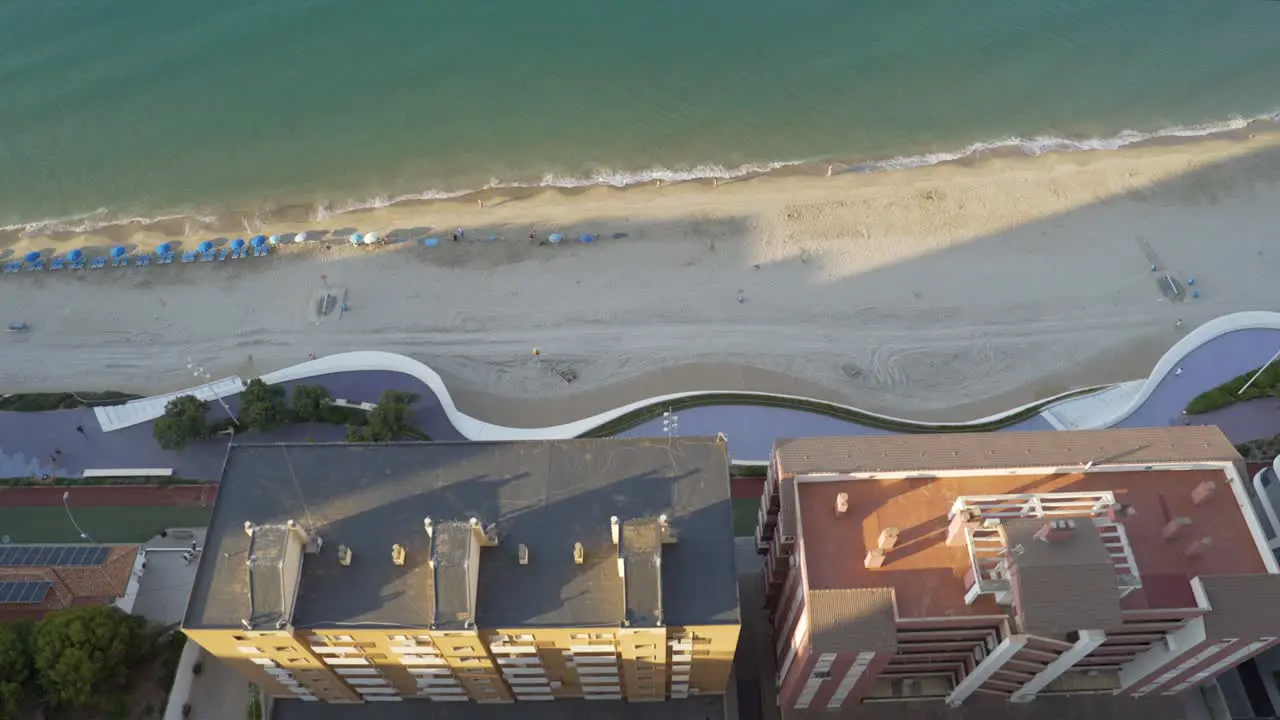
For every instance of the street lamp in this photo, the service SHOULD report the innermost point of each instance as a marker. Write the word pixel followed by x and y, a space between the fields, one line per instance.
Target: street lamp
pixel 66 505
pixel 204 375
pixel 670 424
pixel 1260 371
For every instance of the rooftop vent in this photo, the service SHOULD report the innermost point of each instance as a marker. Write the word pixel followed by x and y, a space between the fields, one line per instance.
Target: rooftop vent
pixel 344 555
pixel 522 553
pixel 579 555
pixel 842 503
pixel 397 554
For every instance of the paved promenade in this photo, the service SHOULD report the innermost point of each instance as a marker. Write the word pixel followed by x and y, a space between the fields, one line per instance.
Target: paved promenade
pixel 33 444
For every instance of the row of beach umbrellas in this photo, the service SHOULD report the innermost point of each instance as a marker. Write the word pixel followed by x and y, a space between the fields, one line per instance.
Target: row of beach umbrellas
pixel 167 248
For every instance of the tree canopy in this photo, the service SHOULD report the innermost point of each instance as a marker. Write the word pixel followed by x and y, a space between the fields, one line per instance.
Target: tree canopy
pixel 15 668
pixel 84 655
pixel 183 422
pixel 388 422
pixel 262 406
pixel 310 403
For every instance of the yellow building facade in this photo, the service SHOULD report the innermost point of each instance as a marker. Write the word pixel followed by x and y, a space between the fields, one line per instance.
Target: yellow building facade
pixel 633 599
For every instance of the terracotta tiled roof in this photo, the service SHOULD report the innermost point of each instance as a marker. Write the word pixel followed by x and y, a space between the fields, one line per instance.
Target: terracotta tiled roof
pixel 1065 585
pixel 73 586
pixel 1243 606
pixel 971 451
pixel 852 620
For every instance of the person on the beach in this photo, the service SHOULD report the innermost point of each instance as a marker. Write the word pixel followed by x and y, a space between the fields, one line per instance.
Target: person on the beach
pixel 455 237
pixel 462 233
pixel 80 429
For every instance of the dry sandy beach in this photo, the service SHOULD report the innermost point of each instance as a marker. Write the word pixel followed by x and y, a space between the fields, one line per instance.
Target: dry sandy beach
pixel 939 293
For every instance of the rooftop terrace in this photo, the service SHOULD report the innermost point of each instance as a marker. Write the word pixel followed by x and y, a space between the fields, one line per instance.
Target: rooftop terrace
pixel 928 576
pixel 546 496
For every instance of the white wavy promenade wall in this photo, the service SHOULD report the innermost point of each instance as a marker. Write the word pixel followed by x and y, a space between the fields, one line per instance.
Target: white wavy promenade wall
pixel 1085 412
pixel 1089 414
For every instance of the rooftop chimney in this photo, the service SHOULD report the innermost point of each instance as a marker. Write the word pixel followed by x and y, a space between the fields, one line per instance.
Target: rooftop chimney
pixel 888 538
pixel 1204 492
pixel 1174 528
pixel 579 555
pixel 1198 548
pixel 344 555
pixel 1056 531
pixel 842 503
pixel 397 554
pixel 522 553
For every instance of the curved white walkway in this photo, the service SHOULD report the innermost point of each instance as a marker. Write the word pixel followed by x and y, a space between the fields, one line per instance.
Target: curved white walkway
pixel 1102 409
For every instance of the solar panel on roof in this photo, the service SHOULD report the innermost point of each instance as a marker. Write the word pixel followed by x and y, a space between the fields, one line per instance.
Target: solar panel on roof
pixel 24 592
pixel 53 555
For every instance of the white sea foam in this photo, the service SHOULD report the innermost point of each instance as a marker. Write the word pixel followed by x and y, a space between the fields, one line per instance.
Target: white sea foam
pixel 1033 146
pixel 1044 144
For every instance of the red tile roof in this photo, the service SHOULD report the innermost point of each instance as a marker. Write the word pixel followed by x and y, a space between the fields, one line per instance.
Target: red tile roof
pixel 72 586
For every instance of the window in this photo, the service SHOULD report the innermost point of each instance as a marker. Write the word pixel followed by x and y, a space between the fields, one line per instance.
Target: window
pixel 525 638
pixel 284 649
pixel 423 638
pixel 399 638
pixel 341 638
pixel 240 638
pixel 575 636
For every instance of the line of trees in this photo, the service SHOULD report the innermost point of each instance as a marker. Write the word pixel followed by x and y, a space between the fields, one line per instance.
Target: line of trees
pixel 265 407
pixel 80 658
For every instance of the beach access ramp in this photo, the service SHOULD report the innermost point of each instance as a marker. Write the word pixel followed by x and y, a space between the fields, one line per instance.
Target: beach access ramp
pixel 136 412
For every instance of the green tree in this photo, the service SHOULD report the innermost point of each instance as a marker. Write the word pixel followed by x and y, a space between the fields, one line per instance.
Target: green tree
pixel 388 422
pixel 15 668
pixel 183 422
pixel 84 655
pixel 262 406
pixel 310 403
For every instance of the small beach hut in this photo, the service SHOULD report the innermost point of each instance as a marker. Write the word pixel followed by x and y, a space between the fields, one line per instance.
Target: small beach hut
pixel 164 249
pixel 300 237
pixel 371 238
pixel 357 238
pixel 118 252
pixel 237 244
pixel 205 246
pixel 75 255
pixel 273 240
pixel 33 256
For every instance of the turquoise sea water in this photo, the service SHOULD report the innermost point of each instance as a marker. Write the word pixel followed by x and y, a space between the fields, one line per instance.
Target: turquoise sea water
pixel 152 107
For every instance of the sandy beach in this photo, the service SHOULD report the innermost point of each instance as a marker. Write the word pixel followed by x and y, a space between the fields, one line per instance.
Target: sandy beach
pixel 939 293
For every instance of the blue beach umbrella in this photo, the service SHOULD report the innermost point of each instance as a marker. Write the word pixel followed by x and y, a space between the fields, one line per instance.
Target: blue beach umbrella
pixel 555 237
pixel 118 252
pixel 205 246
pixel 33 256
pixel 357 238
pixel 431 242
pixel 164 249
pixel 237 243
pixel 75 254
pixel 258 240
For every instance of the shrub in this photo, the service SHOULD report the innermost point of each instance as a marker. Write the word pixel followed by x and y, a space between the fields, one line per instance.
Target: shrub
pixel 262 406
pixel 1230 392
pixel 183 422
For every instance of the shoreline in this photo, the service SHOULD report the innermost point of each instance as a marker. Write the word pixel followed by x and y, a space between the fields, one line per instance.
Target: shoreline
pixel 931 293
pixel 176 225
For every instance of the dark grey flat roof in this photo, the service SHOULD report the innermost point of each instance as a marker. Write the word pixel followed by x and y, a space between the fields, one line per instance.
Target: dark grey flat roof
pixel 546 495
pixel 704 708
